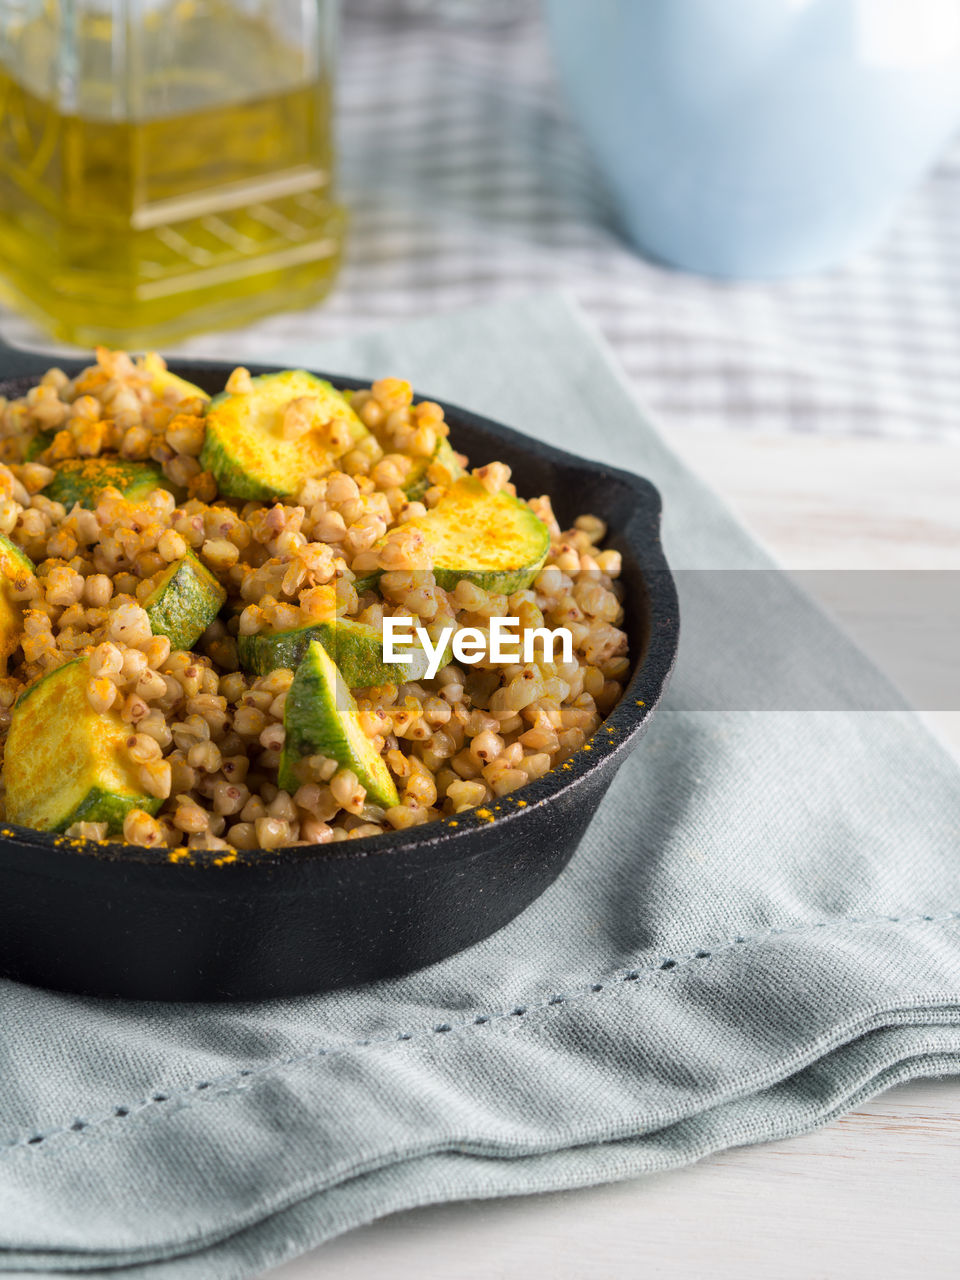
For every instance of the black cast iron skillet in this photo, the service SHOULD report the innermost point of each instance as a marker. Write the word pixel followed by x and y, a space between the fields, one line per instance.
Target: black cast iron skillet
pixel 123 921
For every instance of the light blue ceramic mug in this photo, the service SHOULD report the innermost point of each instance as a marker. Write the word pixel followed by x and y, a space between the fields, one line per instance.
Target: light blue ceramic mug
pixel 760 137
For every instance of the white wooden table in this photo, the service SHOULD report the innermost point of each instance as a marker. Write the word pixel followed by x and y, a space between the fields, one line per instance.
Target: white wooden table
pixel 873 1196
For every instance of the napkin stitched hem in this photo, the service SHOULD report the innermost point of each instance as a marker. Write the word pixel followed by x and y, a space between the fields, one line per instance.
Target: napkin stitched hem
pixel 928 1052
pixel 221 1086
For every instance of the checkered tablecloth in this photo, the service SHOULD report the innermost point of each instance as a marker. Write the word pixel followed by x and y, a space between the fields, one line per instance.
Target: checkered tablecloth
pixel 467 182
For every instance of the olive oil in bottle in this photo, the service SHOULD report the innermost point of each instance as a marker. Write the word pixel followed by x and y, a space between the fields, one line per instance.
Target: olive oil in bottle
pixel 167 169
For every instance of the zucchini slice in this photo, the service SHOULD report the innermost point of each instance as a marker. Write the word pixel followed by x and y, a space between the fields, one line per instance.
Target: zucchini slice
pixel 356 649
pixel 321 718
pixel 184 602
pixel 65 762
pixel 245 446
pixel 16 570
pixel 493 540
pixel 166 385
pixel 84 479
pixel 417 482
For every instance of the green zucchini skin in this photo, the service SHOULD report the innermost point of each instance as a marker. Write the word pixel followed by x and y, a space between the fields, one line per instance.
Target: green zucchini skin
pixel 496 581
pixel 249 458
pixel 106 806
pixel 42 440
pixel 185 602
pixel 321 718
pixel 64 761
pixel 367 581
pixel 271 651
pixel 13 561
pixel 356 649
pixel 83 480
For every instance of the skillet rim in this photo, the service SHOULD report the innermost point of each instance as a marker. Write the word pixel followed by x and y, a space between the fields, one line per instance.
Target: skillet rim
pixel 605 749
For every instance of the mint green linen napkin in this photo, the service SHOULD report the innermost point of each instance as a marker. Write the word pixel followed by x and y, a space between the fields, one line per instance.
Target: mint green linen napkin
pixel 799 869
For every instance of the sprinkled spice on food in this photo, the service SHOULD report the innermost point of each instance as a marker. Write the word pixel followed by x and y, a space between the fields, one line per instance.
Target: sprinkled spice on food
pixel 192 595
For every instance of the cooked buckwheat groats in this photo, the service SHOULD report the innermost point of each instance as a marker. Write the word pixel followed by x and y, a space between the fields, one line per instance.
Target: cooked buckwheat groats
pixel 192 596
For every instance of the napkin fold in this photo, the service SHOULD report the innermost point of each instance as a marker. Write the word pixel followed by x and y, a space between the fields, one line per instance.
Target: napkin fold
pixel 760 929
